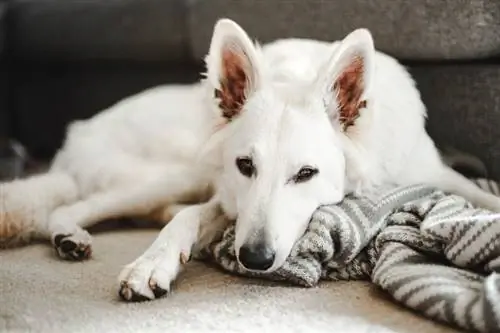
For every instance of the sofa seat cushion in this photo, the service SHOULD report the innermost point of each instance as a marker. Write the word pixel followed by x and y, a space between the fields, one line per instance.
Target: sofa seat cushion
pixel 3 26
pixel 426 29
pixel 48 98
pixel 4 70
pixel 143 30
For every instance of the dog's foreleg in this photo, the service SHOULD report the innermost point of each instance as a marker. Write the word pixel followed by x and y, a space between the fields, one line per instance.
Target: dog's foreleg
pixel 150 276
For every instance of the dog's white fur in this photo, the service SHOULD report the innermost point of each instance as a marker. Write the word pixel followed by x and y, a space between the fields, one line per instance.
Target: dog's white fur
pixel 169 152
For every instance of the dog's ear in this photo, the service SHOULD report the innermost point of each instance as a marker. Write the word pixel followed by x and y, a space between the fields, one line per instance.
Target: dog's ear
pixel 232 67
pixel 345 79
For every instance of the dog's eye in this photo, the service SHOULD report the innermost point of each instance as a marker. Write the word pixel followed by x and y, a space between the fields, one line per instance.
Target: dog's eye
pixel 245 165
pixel 305 174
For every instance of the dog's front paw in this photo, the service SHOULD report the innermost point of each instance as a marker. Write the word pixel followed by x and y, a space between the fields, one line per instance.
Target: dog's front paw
pixel 74 246
pixel 150 276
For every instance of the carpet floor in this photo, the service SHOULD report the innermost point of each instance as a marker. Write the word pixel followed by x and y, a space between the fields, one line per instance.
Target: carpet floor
pixel 39 293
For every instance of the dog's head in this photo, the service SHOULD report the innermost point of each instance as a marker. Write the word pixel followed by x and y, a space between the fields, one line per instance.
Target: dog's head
pixel 282 151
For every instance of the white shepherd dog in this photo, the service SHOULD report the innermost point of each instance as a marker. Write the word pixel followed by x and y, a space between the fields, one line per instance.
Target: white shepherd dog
pixel 269 135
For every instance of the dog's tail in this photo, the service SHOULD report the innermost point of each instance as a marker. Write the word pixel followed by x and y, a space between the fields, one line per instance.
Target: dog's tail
pixel 466 164
pixel 25 205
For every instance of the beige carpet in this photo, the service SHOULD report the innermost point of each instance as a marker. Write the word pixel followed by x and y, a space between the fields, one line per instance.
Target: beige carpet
pixel 39 293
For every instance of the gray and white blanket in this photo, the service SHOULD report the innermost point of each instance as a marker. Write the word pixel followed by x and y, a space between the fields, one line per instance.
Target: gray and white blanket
pixel 432 252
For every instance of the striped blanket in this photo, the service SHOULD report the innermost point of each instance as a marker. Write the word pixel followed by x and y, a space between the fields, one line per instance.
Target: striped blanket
pixel 431 251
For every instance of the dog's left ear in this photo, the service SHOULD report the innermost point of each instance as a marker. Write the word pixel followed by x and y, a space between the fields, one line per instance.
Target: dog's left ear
pixel 345 80
pixel 232 67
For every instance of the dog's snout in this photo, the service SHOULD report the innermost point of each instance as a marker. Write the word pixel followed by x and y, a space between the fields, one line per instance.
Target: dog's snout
pixel 259 256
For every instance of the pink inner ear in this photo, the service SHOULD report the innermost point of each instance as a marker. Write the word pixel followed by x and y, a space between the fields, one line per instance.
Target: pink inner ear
pixel 349 88
pixel 233 83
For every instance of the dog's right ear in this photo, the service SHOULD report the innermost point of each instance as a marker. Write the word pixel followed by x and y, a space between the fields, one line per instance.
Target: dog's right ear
pixel 232 67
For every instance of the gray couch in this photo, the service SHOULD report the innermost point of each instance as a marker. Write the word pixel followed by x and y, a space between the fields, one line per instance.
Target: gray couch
pixel 68 59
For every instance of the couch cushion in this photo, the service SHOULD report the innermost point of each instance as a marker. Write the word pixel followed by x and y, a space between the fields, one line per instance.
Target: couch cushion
pixel 427 29
pixel 96 29
pixel 47 98
pixel 4 116
pixel 464 108
pixel 3 22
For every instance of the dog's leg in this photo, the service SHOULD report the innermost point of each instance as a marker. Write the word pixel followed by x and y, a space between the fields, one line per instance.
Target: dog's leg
pixel 67 223
pixel 26 204
pixel 150 276
pixel 169 212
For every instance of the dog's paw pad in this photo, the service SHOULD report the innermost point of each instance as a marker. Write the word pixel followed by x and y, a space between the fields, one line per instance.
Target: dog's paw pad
pixel 127 292
pixel 156 289
pixel 71 247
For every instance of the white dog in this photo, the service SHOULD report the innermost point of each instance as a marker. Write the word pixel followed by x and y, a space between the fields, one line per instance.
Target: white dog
pixel 270 134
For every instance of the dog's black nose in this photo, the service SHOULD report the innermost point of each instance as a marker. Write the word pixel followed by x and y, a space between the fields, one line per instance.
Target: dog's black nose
pixel 258 257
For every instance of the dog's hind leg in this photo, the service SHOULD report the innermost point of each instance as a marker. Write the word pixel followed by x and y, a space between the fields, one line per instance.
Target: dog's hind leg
pixel 67 223
pixel 135 199
pixel 26 204
pixel 150 276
